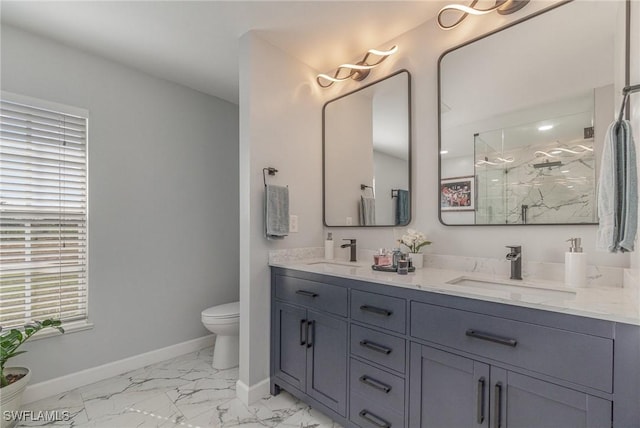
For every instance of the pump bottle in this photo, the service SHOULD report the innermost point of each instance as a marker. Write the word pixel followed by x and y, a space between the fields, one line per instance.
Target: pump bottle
pixel 328 247
pixel 575 265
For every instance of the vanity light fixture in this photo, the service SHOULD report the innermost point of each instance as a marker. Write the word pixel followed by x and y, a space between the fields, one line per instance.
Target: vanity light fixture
pixel 503 7
pixel 497 161
pixel 558 150
pixel 358 71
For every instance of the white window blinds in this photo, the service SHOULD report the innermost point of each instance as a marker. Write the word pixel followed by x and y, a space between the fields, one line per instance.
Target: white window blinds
pixel 43 214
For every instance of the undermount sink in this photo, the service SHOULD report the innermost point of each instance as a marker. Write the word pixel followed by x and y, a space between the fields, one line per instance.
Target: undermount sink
pixel 512 287
pixel 327 263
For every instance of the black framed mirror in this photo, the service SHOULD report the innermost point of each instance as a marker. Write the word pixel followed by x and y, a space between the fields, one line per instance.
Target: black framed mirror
pixel 522 112
pixel 366 155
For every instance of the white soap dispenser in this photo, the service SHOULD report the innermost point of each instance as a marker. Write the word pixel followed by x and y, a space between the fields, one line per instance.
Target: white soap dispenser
pixel 328 247
pixel 575 265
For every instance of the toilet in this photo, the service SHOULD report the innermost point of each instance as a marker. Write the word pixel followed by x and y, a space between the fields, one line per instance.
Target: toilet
pixel 224 321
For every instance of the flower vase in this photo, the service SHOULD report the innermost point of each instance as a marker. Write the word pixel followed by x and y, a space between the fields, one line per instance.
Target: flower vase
pixel 417 260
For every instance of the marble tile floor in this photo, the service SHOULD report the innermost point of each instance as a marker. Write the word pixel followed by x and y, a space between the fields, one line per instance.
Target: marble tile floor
pixel 184 392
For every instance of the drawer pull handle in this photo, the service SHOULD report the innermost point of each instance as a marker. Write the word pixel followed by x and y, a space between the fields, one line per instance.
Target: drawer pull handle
pixel 480 404
pixel 303 339
pixel 497 419
pixel 377 311
pixel 375 384
pixel 374 419
pixel 375 347
pixel 307 293
pixel 492 338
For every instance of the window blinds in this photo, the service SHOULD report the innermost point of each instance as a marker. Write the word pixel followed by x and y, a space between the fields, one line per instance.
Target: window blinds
pixel 43 215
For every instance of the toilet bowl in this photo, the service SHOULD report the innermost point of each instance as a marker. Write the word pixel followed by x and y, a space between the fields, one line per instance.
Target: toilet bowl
pixel 224 321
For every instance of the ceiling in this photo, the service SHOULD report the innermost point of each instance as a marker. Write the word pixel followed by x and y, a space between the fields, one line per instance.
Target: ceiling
pixel 195 43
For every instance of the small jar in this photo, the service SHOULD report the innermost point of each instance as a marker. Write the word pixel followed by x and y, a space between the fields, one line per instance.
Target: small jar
pixel 403 267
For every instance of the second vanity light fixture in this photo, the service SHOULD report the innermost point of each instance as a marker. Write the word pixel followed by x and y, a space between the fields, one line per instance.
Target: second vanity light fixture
pixel 503 7
pixel 358 71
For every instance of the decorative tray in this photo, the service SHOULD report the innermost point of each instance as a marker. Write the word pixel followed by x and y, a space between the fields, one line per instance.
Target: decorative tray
pixel 390 268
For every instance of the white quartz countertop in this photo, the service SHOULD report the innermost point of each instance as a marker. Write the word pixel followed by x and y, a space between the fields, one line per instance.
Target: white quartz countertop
pixel 607 303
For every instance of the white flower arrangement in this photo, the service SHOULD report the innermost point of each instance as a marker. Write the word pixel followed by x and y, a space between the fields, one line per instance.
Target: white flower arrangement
pixel 414 240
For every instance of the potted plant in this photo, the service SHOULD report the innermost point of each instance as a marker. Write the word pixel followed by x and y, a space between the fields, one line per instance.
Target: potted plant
pixel 13 380
pixel 414 241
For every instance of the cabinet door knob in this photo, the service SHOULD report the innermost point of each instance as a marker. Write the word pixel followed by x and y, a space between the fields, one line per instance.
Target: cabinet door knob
pixel 374 419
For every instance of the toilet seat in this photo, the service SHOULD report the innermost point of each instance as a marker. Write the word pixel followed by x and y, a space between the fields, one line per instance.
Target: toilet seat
pixel 222 312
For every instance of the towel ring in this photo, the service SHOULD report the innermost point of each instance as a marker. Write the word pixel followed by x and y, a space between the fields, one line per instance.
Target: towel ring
pixel 271 170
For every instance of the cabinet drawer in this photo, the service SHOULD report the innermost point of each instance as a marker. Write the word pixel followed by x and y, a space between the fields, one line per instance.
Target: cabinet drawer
pixel 366 414
pixel 575 357
pixel 380 348
pixel 382 389
pixel 328 298
pixel 379 310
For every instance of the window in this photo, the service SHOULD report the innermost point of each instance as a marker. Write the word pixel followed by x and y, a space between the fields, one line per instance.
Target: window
pixel 43 212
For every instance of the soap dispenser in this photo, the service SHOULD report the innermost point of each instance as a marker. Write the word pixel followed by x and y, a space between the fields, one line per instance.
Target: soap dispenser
pixel 328 247
pixel 575 265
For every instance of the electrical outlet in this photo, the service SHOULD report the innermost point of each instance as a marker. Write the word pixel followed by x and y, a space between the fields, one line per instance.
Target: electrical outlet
pixel 293 223
pixel 349 221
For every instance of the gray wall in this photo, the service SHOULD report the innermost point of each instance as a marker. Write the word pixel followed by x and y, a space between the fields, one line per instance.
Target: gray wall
pixel 163 202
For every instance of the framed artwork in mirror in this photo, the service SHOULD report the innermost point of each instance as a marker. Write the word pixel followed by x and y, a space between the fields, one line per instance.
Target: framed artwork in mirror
pixel 458 193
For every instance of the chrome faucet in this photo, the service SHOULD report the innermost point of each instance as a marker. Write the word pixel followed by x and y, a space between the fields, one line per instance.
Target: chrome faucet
pixel 515 257
pixel 352 244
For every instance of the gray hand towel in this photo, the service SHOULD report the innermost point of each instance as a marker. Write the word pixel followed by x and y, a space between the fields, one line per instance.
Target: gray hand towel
pixel 629 208
pixel 367 211
pixel 617 191
pixel 276 211
pixel 402 207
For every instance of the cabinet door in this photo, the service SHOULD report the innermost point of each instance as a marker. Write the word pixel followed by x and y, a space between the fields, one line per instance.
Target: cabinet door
pixel 525 402
pixel 327 361
pixel 291 345
pixel 447 390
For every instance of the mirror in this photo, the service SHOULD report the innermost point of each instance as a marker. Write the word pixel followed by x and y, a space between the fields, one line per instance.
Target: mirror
pixel 366 142
pixel 523 112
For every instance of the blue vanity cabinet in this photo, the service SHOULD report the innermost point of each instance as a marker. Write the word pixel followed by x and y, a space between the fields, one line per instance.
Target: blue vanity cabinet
pixel 370 355
pixel 452 390
pixel 309 346
pixel 447 389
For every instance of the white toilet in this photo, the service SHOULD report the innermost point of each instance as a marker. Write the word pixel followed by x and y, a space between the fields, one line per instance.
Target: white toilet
pixel 224 321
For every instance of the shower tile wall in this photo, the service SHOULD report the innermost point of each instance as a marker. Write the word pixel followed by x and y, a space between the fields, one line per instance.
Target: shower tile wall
pixel 558 194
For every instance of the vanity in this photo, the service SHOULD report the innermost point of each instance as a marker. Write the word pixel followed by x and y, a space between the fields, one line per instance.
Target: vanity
pixel 377 349
pixel 447 348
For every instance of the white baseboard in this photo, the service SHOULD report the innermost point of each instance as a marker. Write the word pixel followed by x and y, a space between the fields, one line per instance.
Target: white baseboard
pixel 249 395
pixel 71 381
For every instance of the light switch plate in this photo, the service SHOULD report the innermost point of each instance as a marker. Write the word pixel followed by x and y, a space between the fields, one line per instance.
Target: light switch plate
pixel 293 223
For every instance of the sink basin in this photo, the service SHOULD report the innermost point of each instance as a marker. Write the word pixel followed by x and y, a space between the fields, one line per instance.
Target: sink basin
pixel 512 287
pixel 323 263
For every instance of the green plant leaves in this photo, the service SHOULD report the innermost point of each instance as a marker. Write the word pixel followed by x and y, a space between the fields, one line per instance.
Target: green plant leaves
pixel 10 341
